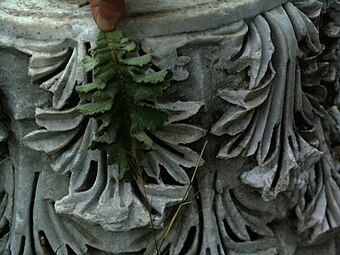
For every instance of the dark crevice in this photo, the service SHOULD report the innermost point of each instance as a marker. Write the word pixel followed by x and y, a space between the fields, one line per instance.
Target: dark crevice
pixel 227 228
pixel 208 252
pixel 318 174
pixel 230 233
pixel 45 245
pixel 189 241
pixel 253 236
pixel 320 95
pixel 189 172
pixel 247 77
pixel 68 175
pixel 167 178
pixel 216 114
pixel 31 222
pixel 83 4
pixel 204 119
pixel 149 180
pixel 301 123
pixel 244 45
pixel 153 66
pixel 141 252
pixel 307 196
pixel 90 178
pixel 112 184
pixel 305 49
pixel 22 245
pixel 328 102
pixel 278 171
pixel 200 215
pixel 121 188
pixel 272 148
pixel 72 101
pixel 70 251
pixel 273 144
pixel 291 142
pixel 5 121
pixel 4 230
pixel 102 177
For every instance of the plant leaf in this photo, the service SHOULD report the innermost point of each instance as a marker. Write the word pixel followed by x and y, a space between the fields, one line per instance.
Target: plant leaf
pixel 121 100
pixel 137 61
pixel 154 78
pixel 94 108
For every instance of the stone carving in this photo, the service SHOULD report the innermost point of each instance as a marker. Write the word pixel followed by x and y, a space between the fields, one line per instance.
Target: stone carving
pixel 262 87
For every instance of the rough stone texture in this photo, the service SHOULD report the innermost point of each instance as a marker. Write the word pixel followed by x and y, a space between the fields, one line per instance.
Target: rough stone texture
pixel 258 79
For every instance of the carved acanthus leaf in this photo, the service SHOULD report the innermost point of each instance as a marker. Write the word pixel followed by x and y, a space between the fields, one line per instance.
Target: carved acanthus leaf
pixel 318 207
pixel 260 120
pixel 94 190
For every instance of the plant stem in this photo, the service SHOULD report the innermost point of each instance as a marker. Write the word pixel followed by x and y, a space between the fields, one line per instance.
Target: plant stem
pixel 183 202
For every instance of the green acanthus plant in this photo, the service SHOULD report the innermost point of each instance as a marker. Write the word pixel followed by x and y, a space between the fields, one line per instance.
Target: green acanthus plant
pixel 122 100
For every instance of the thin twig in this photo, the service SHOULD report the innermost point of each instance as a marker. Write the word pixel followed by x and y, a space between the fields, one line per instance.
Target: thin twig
pixel 150 215
pixel 4 160
pixel 185 196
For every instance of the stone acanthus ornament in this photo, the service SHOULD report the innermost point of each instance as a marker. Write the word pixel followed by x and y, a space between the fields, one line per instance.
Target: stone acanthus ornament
pixel 258 79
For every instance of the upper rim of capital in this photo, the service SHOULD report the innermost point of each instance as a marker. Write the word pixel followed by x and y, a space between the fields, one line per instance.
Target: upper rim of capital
pixel 142 17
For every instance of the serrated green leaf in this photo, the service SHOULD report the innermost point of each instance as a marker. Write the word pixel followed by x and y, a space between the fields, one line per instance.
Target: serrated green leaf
pixel 107 76
pixel 89 63
pixel 124 40
pixel 147 117
pixel 130 47
pixel 102 55
pixel 109 136
pixel 149 91
pixel 104 70
pixel 105 120
pixel 153 78
pixel 115 36
pixel 111 89
pixel 101 41
pixel 137 61
pixel 131 71
pixel 107 93
pixel 143 138
pixel 94 108
pixel 96 52
pixel 90 86
pixel 88 96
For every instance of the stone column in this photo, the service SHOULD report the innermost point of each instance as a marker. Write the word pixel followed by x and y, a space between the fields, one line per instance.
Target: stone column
pixel 257 79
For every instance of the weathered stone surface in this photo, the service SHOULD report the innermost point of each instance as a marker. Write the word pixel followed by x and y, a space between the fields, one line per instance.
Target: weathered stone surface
pixel 258 79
